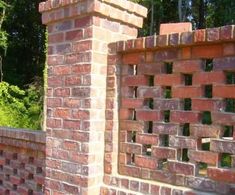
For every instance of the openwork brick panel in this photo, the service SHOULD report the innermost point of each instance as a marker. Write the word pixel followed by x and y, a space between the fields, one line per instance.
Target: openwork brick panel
pixel 22 162
pixel 177 111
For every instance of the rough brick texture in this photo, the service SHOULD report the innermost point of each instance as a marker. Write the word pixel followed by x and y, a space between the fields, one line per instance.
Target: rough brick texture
pixel 22 161
pixel 176 116
pixel 152 115
pixel 79 33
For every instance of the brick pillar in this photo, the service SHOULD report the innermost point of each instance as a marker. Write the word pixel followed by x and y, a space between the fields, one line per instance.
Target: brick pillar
pixel 78 34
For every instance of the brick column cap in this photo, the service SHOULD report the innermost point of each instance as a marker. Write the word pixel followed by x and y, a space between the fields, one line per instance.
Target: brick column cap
pixel 120 10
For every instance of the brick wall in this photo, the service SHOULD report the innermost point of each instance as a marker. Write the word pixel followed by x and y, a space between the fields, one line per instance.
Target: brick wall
pixel 153 115
pixel 172 114
pixel 22 161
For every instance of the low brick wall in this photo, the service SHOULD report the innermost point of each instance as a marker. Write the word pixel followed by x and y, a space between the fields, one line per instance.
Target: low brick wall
pixel 22 161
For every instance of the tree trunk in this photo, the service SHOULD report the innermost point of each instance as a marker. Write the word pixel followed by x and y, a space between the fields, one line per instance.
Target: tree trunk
pixel 180 10
pixel 152 18
pixel 201 23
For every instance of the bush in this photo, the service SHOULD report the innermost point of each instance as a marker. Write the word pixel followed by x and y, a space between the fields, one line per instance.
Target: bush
pixel 21 108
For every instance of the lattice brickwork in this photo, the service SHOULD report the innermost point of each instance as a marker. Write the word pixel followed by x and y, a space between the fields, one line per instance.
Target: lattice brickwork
pixel 177 113
pixel 22 162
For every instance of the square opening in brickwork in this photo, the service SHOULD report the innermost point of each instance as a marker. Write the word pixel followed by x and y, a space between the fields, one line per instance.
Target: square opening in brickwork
pixel 149 103
pixel 166 115
pixel 151 80
pixel 205 144
pixel 15 156
pixel 185 128
pixel 30 176
pixel 202 169
pixel 147 149
pixel 131 136
pixel 164 140
pixel 187 104
pixel 228 132
pixel 162 164
pixel 206 118
pixel 168 67
pixel 7 176
pixel 150 127
pixel 130 159
pixel 188 79
pixel 7 161
pixel 230 77
pixel 183 154
pixel 167 92
pixel 229 105
pixel 39 187
pixel 22 165
pixel 14 187
pixel 225 160
pixel 30 192
pixel 31 160
pixel 208 65
pixel 208 91
pixel 15 171
pixel 133 116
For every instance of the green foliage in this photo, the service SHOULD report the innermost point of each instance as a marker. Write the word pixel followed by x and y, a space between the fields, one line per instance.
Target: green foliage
pixel 20 108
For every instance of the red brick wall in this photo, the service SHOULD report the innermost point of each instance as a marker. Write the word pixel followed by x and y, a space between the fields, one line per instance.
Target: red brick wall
pixel 22 161
pixel 172 114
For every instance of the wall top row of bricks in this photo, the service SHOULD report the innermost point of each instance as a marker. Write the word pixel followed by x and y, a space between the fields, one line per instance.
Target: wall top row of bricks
pixel 23 138
pixel 182 39
pixel 118 10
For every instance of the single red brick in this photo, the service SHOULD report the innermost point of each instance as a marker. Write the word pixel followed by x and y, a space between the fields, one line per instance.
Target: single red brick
pixel 186 38
pixel 148 115
pixel 182 142
pixel 130 171
pixel 224 91
pixel 167 104
pixel 131 125
pixel 73 80
pixel 222 175
pixel 207 51
pixel 174 39
pixel 229 49
pixel 150 69
pixel 187 92
pixel 165 128
pixel 132 103
pixel 213 34
pixel 223 146
pixel 56 38
pixel 181 167
pixel 207 104
pixel 53 123
pixel 137 80
pixel 71 124
pixel 223 118
pixel 170 28
pixel 205 78
pixel 207 157
pixel 226 32
pixel 62 113
pixel 185 117
pixel 147 139
pixel 133 58
pixel 81 69
pixel 74 35
pixel 162 40
pixel 82 46
pixel 168 79
pixel 149 92
pixel 130 148
pixel 198 130
pixel 187 66
pixel 62 92
pixel 163 153
pixel 54 81
pixel 145 162
pixel 83 22
pixel 163 176
pixel 224 64
pixel 167 54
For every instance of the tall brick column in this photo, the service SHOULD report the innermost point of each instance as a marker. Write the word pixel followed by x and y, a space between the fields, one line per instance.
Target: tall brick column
pixel 79 32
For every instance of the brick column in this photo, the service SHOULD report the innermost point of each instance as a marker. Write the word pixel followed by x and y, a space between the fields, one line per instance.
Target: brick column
pixel 79 32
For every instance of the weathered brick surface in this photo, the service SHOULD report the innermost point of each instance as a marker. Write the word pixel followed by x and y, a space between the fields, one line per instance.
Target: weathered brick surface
pixel 176 117
pixel 22 161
